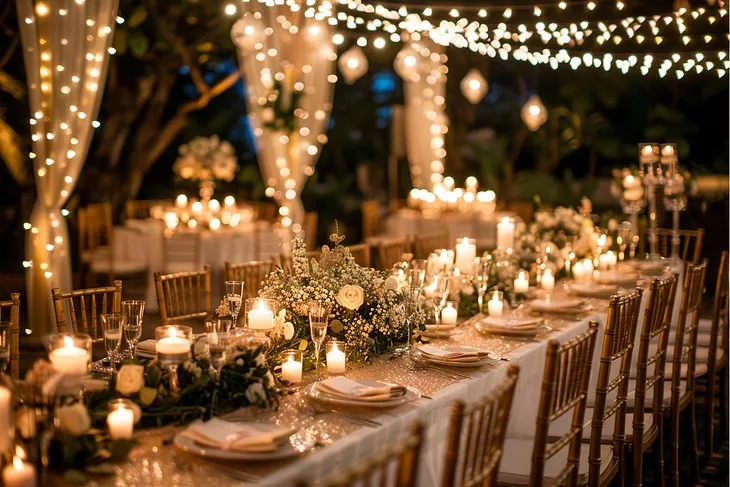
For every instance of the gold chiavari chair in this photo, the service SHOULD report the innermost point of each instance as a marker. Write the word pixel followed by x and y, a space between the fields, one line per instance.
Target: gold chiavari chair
pixel 372 218
pixel 475 460
pixel 656 324
pixel 423 245
pixel 395 466
pixel 391 251
pixel 84 308
pixel 311 220
pixel 13 316
pixel 183 295
pixel 690 246
pixel 361 254
pixel 142 209
pixel 251 273
pixel 683 380
pixel 564 390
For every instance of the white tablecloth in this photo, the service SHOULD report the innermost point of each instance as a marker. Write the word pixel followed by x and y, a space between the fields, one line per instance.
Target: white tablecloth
pixel 407 222
pixel 143 240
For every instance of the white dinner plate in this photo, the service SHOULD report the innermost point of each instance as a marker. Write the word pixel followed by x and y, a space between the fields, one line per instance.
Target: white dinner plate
pixel 433 332
pixel 420 357
pixel 617 278
pixel 317 395
pixel 552 305
pixel 593 290
pixel 508 331
pixel 287 450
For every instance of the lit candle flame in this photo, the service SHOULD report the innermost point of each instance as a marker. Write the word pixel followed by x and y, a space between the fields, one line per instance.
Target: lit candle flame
pixel 68 342
pixel 18 463
pixel 172 333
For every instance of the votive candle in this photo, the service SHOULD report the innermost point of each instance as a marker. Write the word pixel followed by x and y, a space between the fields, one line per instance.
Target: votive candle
pixel 121 423
pixel 449 315
pixel 521 284
pixel 548 281
pixel 335 357
pixel 495 306
pixel 19 474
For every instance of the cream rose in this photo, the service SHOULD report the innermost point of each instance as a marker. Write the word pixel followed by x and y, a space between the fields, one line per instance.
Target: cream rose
pixel 130 379
pixel 288 330
pixel 350 297
pixel 392 283
pixel 74 419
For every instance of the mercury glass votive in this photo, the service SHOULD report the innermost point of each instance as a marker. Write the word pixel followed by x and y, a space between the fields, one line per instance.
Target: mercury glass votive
pixel 336 357
pixel 70 353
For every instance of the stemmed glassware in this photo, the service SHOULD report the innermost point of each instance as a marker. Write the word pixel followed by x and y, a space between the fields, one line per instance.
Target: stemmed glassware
pixel 440 293
pixel 133 311
pixel 217 342
pixel 481 272
pixel 234 296
pixel 112 326
pixel 417 276
pixel 319 315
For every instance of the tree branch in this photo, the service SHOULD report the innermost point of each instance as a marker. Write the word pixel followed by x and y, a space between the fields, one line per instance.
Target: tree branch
pixel 195 74
pixel 216 90
pixel 9 53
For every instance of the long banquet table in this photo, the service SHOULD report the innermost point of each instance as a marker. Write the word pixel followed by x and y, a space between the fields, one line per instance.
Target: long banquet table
pixel 345 439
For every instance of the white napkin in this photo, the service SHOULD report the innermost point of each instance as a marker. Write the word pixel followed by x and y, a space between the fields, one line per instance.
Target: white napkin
pixel 454 354
pixel 613 277
pixel 556 304
pixel 513 323
pixel 147 348
pixel 217 433
pixel 593 290
pixel 345 388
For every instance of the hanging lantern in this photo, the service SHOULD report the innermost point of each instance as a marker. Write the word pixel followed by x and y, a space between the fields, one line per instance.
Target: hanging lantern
pixel 247 32
pixel 406 64
pixel 534 113
pixel 353 64
pixel 474 86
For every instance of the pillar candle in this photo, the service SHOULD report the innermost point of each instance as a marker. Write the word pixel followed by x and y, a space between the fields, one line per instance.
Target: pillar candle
pixel 69 359
pixel 120 423
pixel 505 233
pixel 336 361
pixel 261 318
pixel 19 474
pixel 466 251
pixel 173 344
pixel 449 315
pixel 521 284
pixel 494 306
pixel 548 281
pixel 291 371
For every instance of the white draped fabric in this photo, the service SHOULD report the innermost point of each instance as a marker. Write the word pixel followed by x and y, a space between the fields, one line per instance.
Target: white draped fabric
pixel 281 44
pixel 65 47
pixel 424 87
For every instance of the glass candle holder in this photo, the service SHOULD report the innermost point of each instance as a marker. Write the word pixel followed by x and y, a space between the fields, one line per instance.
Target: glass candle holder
pixel 466 252
pixel 449 314
pixel 291 366
pixel 336 357
pixel 173 347
pixel 495 305
pixel 260 314
pixel 70 353
pixel 668 160
pixel 120 420
pixel 649 159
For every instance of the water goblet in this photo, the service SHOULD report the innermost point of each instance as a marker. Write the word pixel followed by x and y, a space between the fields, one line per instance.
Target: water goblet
pixel 234 296
pixel 440 293
pixel 133 311
pixel 112 326
pixel 318 319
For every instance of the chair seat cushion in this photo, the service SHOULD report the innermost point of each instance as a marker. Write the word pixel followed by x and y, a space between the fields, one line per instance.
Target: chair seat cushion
pixel 516 461
pixel 560 426
pixel 649 399
pixel 700 369
pixel 701 355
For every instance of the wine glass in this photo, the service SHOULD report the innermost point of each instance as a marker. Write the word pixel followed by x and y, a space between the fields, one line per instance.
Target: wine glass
pixel 481 271
pixel 418 273
pixel 4 345
pixel 234 293
pixel 318 319
pixel 112 325
pixel 410 306
pixel 217 342
pixel 133 311
pixel 440 293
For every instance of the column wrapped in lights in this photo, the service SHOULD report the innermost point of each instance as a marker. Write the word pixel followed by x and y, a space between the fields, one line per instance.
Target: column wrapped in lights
pixel 286 54
pixel 422 65
pixel 65 48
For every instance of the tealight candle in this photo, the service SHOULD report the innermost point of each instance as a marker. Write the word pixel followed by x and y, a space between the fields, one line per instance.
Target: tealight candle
pixel 173 344
pixel 578 271
pixel 548 281
pixel 505 233
pixel 335 357
pixel 181 201
pixel 261 318
pixel 495 306
pixel 449 315
pixel 291 368
pixel 588 268
pixel 466 251
pixel 69 359
pixel 121 423
pixel 19 474
pixel 611 259
pixel 521 284
pixel 6 420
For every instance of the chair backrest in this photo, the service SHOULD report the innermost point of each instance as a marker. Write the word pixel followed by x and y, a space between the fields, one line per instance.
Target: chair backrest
pixel 618 345
pixel 685 345
pixel 183 295
pixel 13 316
pixel 361 254
pixel 474 460
pixel 564 388
pixel 719 327
pixel 372 216
pixel 95 228
pixel 311 220
pixel 84 308
pixel 690 246
pixel 251 273
pixel 423 245
pixel 657 323
pixel 142 209
pixel 391 251
pixel 394 465
pixel 181 250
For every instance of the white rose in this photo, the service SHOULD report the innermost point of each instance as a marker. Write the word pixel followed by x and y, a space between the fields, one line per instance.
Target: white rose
pixel 391 283
pixel 467 290
pixel 255 393
pixel 350 297
pixel 288 330
pixel 74 419
pixel 260 359
pixel 130 379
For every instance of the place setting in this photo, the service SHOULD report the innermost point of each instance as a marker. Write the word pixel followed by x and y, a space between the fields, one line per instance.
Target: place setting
pixel 453 356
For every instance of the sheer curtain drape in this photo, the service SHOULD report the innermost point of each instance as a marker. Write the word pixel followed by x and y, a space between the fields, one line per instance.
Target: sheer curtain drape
pixel 65 48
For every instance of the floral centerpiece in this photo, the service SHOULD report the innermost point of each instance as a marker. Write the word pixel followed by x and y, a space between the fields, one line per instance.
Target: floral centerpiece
pixel 366 304
pixel 206 158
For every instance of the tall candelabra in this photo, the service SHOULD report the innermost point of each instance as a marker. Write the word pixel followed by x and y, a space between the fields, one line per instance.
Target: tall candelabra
pixel 674 197
pixel 651 175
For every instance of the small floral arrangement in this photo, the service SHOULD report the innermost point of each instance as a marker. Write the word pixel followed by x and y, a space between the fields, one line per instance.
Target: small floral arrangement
pixel 206 158
pixel 366 305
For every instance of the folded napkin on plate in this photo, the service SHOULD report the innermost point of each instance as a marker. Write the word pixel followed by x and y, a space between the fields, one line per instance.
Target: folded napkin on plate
pixel 147 348
pixel 557 304
pixel 440 327
pixel 613 277
pixel 593 290
pixel 512 323
pixel 345 388
pixel 217 433
pixel 460 354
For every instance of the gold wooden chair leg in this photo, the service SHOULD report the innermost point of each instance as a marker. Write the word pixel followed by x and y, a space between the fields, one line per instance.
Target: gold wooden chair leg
pixel 658 453
pixel 694 450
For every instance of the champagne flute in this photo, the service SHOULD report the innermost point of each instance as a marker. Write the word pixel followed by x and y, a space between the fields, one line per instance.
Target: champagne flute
pixel 440 293
pixel 133 311
pixel 234 296
pixel 112 326
pixel 410 305
pixel 481 270
pixel 418 273
pixel 217 342
pixel 318 319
